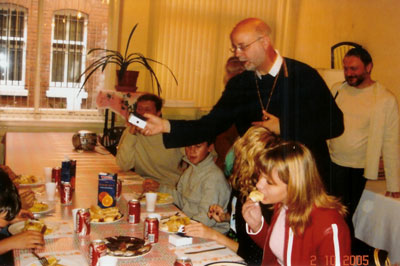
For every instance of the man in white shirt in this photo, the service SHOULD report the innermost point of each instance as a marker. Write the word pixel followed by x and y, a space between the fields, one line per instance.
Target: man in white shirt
pixel 371 122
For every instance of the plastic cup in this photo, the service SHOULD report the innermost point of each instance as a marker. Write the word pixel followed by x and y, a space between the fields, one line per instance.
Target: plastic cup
pixel 47 174
pixel 51 190
pixel 108 261
pixel 151 199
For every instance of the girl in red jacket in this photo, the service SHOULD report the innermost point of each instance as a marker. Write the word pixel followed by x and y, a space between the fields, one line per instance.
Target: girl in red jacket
pixel 307 227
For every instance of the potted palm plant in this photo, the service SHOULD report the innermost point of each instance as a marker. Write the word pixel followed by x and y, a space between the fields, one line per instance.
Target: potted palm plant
pixel 126 78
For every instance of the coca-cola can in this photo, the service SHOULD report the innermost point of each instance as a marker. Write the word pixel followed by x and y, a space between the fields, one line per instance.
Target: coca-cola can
pixel 56 175
pixel 119 188
pixel 134 211
pixel 66 193
pixel 97 249
pixel 82 219
pixel 183 261
pixel 151 230
pixel 73 174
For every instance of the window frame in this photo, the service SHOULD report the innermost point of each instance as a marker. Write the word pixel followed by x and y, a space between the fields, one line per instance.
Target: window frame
pixel 65 89
pixel 16 87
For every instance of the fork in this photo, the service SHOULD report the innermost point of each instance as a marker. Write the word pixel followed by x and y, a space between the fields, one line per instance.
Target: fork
pixel 42 260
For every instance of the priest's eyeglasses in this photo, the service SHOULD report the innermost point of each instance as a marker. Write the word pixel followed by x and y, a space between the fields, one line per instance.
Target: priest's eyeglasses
pixel 242 48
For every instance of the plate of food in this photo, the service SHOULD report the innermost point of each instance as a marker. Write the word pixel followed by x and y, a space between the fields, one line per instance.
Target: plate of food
pixel 41 207
pixel 172 224
pixel 28 180
pixel 105 216
pixel 162 199
pixel 52 261
pixel 33 225
pixel 126 247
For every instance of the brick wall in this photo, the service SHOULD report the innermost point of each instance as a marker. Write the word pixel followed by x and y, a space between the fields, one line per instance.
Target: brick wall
pixel 97 13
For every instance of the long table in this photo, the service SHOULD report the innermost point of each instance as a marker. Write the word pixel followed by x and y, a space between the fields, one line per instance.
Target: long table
pixel 29 153
pixel 377 219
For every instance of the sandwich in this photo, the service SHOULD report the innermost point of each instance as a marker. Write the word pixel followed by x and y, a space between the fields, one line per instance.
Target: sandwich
pixel 256 196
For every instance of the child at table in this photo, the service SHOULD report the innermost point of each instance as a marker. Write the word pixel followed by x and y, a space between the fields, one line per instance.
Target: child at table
pixel 307 227
pixel 260 139
pixel 10 212
pixel 201 185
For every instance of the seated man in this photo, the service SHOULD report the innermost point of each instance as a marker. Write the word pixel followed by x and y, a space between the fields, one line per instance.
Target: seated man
pixel 201 185
pixel 147 155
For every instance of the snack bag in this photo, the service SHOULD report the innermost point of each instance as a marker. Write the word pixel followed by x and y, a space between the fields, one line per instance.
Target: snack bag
pixel 107 190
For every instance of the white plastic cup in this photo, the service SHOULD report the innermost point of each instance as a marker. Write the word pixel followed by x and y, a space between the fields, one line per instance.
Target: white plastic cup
pixel 47 174
pixel 51 190
pixel 151 199
pixel 108 261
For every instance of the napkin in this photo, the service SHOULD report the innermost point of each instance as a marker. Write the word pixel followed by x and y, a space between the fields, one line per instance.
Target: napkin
pixel 206 257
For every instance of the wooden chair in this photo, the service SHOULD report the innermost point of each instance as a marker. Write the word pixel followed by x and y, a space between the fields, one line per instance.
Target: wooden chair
pixel 111 135
pixel 338 51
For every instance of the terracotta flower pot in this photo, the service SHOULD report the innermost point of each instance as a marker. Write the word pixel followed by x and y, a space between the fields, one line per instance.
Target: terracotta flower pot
pixel 128 81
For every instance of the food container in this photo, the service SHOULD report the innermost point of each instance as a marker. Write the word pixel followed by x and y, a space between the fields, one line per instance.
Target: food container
pixel 84 140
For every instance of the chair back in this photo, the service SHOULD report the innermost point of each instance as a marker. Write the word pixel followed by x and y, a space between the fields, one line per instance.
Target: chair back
pixel 338 51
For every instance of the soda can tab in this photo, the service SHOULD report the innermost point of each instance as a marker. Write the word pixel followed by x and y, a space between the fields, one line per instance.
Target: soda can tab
pixel 107 190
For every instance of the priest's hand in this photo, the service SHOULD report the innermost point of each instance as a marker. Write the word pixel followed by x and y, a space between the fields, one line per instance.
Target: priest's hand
pixel 155 125
pixel 270 122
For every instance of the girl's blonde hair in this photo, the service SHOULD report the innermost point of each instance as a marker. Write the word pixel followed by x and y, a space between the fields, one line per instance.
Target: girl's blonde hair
pixel 256 140
pixel 296 167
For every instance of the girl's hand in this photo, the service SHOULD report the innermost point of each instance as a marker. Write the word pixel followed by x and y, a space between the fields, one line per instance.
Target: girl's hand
pixel 22 216
pixel 198 230
pixel 217 213
pixel 27 239
pixel 251 212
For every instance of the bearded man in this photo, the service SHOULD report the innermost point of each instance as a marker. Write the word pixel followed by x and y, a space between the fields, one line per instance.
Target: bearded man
pixel 371 122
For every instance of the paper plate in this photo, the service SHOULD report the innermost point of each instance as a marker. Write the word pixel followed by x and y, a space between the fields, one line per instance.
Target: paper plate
pixel 128 239
pixel 18 227
pixel 168 200
pixel 50 207
pixel 116 221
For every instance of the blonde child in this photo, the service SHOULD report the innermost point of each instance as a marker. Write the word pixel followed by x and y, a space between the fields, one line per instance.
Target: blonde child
pixel 307 227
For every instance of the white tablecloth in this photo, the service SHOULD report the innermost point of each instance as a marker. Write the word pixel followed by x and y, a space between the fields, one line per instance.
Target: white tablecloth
pixel 377 220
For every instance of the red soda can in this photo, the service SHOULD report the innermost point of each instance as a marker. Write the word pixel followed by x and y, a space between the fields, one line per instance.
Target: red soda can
pixel 97 249
pixel 73 174
pixel 66 193
pixel 183 261
pixel 83 222
pixel 134 211
pixel 119 188
pixel 56 175
pixel 151 229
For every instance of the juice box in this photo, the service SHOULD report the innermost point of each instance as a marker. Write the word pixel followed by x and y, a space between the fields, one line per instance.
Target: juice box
pixel 107 190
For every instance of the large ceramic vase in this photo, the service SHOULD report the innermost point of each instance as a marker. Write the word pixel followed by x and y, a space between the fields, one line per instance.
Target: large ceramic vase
pixel 128 81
